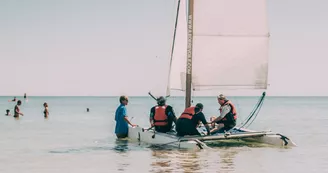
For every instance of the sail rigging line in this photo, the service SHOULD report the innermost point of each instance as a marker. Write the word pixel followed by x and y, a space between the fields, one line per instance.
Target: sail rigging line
pixel 172 49
pixel 258 110
pixel 255 112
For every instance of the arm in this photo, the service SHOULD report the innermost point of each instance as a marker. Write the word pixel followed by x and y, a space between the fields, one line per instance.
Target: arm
pixel 47 112
pixel 225 110
pixel 171 114
pixel 151 116
pixel 127 120
pixel 203 120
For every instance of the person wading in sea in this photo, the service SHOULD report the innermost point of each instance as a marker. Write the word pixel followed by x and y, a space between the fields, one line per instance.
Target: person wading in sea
pixel 46 110
pixel 121 118
pixel 8 112
pixel 17 109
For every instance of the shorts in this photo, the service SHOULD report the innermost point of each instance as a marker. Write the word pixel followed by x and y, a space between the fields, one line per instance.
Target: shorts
pixel 186 127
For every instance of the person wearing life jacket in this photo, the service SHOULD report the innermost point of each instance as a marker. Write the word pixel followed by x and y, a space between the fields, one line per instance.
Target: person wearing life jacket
pixel 228 115
pixel 162 116
pixel 188 122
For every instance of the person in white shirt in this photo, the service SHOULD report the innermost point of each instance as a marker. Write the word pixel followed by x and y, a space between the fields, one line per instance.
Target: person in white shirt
pixel 228 116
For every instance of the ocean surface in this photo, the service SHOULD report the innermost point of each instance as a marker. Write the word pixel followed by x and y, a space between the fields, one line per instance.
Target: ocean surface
pixel 72 140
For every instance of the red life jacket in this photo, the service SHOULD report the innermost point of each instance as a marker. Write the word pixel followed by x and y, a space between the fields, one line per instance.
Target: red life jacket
pixel 188 113
pixel 160 118
pixel 231 117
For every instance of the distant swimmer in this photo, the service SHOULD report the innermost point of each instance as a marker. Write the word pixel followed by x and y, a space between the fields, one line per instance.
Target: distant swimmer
pixel 13 100
pixel 8 112
pixel 88 110
pixel 17 109
pixel 25 97
pixel 46 111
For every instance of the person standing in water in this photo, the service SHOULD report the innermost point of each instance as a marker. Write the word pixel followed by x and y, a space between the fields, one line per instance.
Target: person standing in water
pixel 17 109
pixel 121 118
pixel 8 112
pixel 46 111
pixel 25 97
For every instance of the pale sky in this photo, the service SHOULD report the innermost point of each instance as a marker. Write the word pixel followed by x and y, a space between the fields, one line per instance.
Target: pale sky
pixel 114 47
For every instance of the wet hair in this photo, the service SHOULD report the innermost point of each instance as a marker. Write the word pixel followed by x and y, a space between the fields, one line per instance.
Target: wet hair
pixel 123 98
pixel 45 104
pixel 19 102
pixel 7 110
pixel 198 107
pixel 161 101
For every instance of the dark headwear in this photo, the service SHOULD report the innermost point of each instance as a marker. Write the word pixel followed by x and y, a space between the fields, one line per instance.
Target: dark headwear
pixel 199 105
pixel 123 98
pixel 161 101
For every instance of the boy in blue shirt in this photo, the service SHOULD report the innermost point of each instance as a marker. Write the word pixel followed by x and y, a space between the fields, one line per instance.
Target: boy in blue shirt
pixel 122 121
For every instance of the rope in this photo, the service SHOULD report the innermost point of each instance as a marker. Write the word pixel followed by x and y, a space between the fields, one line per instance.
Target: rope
pixel 255 112
pixel 172 49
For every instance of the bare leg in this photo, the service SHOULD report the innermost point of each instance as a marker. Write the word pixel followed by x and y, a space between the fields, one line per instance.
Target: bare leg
pixel 219 126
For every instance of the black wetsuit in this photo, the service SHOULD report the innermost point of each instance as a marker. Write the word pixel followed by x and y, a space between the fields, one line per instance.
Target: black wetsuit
pixel 189 126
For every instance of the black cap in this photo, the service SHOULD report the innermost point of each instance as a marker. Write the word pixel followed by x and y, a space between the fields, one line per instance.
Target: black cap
pixel 161 100
pixel 199 105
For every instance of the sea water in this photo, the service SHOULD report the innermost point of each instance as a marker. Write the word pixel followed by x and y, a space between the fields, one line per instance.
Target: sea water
pixel 76 141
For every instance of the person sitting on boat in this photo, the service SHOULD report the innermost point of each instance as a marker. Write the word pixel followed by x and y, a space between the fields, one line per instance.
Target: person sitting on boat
pixel 187 123
pixel 162 116
pixel 228 116
pixel 212 124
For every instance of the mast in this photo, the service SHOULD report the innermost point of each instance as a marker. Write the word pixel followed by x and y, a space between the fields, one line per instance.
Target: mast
pixel 189 53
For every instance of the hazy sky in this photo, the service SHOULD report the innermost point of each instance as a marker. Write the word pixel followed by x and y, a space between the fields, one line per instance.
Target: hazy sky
pixel 114 47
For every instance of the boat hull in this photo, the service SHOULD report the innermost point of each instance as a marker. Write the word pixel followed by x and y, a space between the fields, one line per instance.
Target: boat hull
pixel 199 142
pixel 162 139
pixel 270 138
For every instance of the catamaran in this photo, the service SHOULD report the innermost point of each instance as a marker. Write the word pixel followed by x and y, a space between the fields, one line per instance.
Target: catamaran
pixel 217 44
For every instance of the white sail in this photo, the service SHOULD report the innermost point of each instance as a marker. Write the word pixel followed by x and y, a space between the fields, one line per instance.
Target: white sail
pixel 177 74
pixel 230 45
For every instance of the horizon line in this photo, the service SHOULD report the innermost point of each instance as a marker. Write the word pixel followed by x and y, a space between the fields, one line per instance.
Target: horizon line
pixel 170 96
